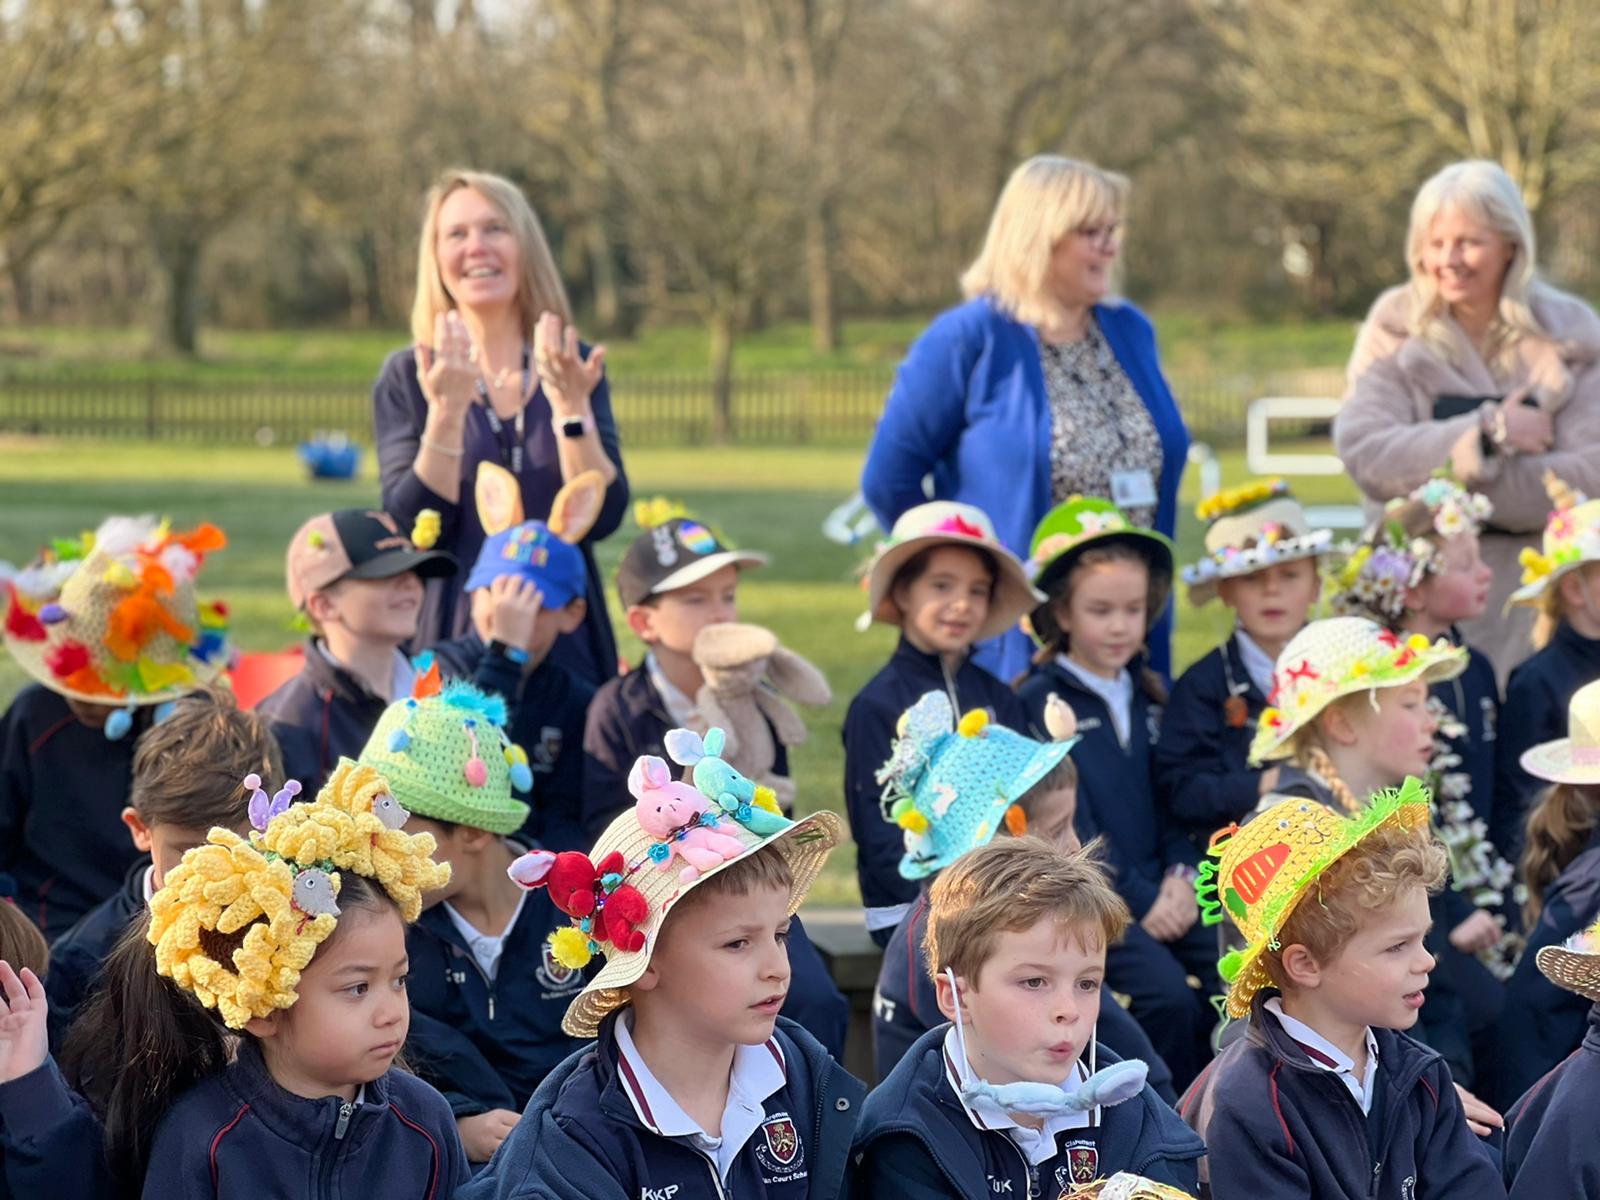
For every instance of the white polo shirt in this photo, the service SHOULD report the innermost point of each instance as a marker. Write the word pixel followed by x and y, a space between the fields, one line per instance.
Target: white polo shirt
pixel 1328 1056
pixel 1037 1145
pixel 1117 693
pixel 1258 664
pixel 758 1072
pixel 486 948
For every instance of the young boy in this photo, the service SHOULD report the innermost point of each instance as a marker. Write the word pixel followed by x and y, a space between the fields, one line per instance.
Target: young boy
pixel 110 626
pixel 694 1085
pixel 1017 935
pixel 188 774
pixel 1260 561
pixel 358 580
pixel 479 965
pixel 1324 1097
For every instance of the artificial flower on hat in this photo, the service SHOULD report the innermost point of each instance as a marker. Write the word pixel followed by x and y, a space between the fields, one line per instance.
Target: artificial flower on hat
pixel 1258 873
pixel 1404 546
pixel 1341 656
pixel 1075 525
pixel 1571 539
pixel 112 618
pixel 1248 528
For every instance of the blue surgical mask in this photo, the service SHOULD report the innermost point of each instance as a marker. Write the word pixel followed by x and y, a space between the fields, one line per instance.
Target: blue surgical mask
pixel 1118 1082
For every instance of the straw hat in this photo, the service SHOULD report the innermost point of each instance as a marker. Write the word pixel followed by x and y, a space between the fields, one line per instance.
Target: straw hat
pixel 1072 527
pixel 1259 873
pixel 1571 538
pixel 1576 757
pixel 1338 657
pixel 1125 1186
pixel 1576 964
pixel 946 523
pixel 644 866
pixel 111 618
pixel 953 783
pixel 1251 527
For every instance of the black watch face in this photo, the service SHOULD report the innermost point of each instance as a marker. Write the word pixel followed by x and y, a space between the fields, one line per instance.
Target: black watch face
pixel 572 427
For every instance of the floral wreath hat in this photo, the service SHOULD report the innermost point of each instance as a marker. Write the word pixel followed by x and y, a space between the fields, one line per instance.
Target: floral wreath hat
pixel 238 919
pixel 676 835
pixel 1389 560
pixel 1250 528
pixel 1574 965
pixel 1257 874
pixel 1338 657
pixel 950 785
pixel 1072 527
pixel 1571 538
pixel 111 617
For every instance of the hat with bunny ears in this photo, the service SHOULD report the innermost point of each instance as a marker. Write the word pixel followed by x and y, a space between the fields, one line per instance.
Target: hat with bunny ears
pixel 650 857
pixel 543 552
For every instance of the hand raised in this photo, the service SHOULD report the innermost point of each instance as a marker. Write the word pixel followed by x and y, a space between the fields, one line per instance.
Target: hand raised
pixel 448 376
pixel 568 379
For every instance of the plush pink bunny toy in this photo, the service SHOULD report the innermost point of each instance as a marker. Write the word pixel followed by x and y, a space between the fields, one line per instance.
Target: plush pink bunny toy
pixel 672 811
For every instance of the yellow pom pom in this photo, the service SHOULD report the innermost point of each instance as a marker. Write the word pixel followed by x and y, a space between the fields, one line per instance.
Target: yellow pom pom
pixel 768 799
pixel 973 723
pixel 1418 642
pixel 569 946
pixel 425 533
pixel 912 821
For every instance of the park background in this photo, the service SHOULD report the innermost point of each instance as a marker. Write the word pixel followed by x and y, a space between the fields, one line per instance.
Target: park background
pixel 208 215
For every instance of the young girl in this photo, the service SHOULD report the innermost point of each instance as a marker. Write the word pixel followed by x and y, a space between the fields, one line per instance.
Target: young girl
pixel 251 1052
pixel 1107 581
pixel 1561 867
pixel 943 578
pixel 1563 582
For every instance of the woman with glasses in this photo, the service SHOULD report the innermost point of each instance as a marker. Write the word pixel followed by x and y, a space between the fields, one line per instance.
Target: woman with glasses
pixel 1041 386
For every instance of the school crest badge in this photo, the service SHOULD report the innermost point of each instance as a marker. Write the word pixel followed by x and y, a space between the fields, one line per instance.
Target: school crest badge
pixel 552 975
pixel 778 1148
pixel 1083 1164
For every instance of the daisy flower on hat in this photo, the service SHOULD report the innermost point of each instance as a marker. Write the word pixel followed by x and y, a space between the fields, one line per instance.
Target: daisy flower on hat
pixel 1249 528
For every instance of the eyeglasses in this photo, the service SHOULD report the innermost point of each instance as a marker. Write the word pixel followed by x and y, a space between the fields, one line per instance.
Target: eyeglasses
pixel 1108 235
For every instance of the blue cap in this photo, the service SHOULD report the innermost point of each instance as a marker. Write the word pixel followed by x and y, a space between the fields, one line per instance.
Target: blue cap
pixel 530 550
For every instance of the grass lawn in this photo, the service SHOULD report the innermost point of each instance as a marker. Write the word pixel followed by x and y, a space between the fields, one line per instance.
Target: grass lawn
pixel 772 498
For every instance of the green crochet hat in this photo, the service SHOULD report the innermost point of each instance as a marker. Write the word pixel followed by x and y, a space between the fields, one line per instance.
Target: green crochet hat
pixel 1072 527
pixel 445 753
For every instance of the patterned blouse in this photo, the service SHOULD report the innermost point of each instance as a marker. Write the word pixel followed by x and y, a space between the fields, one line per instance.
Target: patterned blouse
pixel 1098 424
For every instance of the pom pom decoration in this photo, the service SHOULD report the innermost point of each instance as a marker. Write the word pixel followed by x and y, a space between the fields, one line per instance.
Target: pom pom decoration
pixel 570 947
pixel 476 770
pixel 1016 821
pixel 20 622
pixel 425 532
pixel 118 723
pixel 973 723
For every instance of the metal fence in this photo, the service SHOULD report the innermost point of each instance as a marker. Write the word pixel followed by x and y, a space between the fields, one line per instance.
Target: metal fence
pixel 769 408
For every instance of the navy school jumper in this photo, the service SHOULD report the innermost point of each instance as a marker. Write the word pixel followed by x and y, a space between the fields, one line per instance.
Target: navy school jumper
pixel 240 1134
pixel 51 1143
pixel 1551 1149
pixel 916 1141
pixel 580 1138
pixel 869 730
pixel 627 719
pixel 1277 1125
pixel 905 1006
pixel 63 786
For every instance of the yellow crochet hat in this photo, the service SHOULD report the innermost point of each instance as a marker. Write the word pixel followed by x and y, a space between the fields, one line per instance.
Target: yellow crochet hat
pixel 1258 874
pixel 280 888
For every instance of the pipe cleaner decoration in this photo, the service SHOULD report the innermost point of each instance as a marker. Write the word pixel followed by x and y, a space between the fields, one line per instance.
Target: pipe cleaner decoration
pixel 754 807
pixel 603 908
pixel 271 899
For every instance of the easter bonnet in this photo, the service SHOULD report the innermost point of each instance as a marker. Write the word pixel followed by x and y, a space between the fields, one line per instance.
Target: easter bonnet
pixel 1249 528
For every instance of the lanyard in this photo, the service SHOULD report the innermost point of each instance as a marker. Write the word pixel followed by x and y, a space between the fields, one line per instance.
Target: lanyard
pixel 496 424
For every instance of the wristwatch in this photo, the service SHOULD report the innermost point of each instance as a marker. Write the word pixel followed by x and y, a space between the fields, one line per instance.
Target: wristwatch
pixel 515 653
pixel 574 427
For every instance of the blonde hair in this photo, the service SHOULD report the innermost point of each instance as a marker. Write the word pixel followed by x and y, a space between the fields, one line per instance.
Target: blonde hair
pixel 1484 192
pixel 1010 885
pixel 1307 751
pixel 1552 605
pixel 1045 199
pixel 540 288
pixel 1559 827
pixel 1367 878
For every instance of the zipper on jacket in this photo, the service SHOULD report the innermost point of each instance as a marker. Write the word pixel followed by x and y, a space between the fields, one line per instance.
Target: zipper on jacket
pixel 716 1180
pixel 1029 1172
pixel 343 1124
pixel 950 686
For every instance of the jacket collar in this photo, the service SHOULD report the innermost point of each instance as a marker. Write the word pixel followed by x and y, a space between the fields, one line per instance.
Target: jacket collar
pixel 328 676
pixel 1404 1060
pixel 908 657
pixel 298 1120
pixel 1574 644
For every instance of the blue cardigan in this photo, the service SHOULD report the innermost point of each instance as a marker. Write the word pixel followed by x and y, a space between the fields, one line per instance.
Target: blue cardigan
pixel 969 405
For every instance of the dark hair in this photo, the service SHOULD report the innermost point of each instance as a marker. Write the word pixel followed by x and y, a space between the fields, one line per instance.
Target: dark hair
pixel 189 769
pixel 1059 590
pixel 140 1041
pixel 917 565
pixel 21 943
pixel 1063 775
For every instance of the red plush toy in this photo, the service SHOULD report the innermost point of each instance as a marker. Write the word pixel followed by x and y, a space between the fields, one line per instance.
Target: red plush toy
pixel 583 889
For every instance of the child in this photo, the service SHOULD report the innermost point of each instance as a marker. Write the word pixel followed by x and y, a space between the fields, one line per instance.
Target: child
pixel 110 627
pixel 1550 1146
pixel 358 581
pixel 1017 937
pixel 1261 560
pixel 694 1085
pixel 1563 582
pixel 1107 581
pixel 958 785
pixel 528 588
pixel 305 971
pixel 945 580
pixel 1561 867
pixel 1324 1096
pixel 186 781
pixel 479 966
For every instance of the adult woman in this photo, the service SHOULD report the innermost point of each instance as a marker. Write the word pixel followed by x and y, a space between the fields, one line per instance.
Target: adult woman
pixel 496 375
pixel 1038 387
pixel 1478 366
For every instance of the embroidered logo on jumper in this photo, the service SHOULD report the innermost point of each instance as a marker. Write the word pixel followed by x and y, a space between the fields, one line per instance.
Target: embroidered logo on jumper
pixel 661 1193
pixel 778 1150
pixel 1000 1186
pixel 1408 1188
pixel 1083 1161
pixel 558 979
pixel 547 749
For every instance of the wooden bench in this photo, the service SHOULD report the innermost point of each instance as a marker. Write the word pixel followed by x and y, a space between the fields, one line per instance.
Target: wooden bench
pixel 852 958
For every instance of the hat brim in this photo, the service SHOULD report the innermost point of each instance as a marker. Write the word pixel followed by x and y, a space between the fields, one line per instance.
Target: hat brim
pixel 428 564
pixel 30 657
pixel 1531 593
pixel 1013 594
pixel 1571 969
pixel 805 844
pixel 700 568
pixel 1552 762
pixel 427 803
pixel 1203 590
pixel 553 595
pixel 1042 621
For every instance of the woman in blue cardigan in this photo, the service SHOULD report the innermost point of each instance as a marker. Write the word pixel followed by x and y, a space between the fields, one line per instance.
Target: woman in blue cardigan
pixel 1039 387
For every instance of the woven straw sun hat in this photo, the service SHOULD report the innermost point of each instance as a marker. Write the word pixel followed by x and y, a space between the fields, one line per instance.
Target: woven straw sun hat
pixel 1576 757
pixel 1258 873
pixel 1338 657
pixel 1250 528
pixel 1576 964
pixel 1571 539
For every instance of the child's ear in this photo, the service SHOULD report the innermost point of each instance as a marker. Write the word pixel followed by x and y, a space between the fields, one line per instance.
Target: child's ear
pixel 642 620
pixel 569 618
pixel 473 840
pixel 648 982
pixel 322 606
pixel 137 830
pixel 1415 597
pixel 947 997
pixel 1570 588
pixel 1300 968
pixel 1335 723
pixel 263 1027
